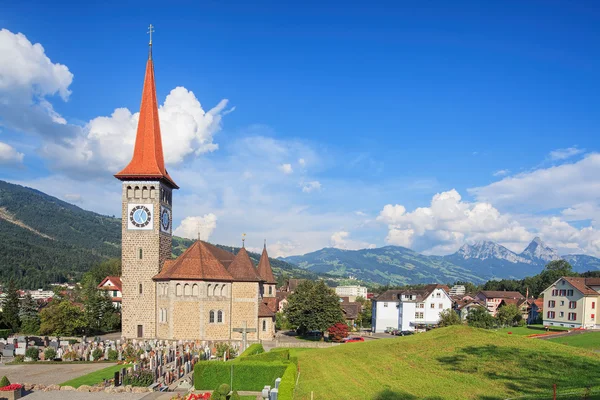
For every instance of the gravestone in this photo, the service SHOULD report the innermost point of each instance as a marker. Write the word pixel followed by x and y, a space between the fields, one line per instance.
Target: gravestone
pixel 8 353
pixel 274 394
pixel 20 351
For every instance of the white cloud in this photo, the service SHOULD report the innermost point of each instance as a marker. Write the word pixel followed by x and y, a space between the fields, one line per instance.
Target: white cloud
pixel 448 222
pixel 341 240
pixel 546 188
pixel 361 213
pixel 563 154
pixel 309 187
pixel 191 226
pixel 73 197
pixel 9 155
pixel 302 162
pixel 106 143
pixel 286 168
pixel 501 172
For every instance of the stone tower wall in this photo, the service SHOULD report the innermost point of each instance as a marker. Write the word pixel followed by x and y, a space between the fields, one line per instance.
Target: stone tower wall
pixel 141 308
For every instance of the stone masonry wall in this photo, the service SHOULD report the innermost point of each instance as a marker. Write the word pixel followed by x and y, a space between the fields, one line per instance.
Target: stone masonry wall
pixel 244 305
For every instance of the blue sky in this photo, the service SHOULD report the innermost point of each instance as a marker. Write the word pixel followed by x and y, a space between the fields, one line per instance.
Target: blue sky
pixel 386 103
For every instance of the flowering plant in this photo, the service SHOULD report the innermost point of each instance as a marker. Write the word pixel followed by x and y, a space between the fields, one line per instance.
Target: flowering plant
pixel 10 388
pixel 199 396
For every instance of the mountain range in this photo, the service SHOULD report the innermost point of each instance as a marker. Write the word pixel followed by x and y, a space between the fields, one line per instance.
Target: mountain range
pixel 476 263
pixel 46 240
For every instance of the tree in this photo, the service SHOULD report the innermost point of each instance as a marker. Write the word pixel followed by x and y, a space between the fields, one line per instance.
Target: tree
pixel 449 317
pixel 508 315
pixel 365 316
pixel 29 316
pixel 313 307
pixel 338 331
pixel 99 312
pixel 10 310
pixel 61 317
pixel 480 318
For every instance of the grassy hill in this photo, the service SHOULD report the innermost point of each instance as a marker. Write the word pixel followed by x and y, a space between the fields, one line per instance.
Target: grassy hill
pixel 45 240
pixel 448 363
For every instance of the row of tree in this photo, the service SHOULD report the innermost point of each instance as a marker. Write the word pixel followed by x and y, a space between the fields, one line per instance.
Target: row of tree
pixel 86 310
pixel 506 316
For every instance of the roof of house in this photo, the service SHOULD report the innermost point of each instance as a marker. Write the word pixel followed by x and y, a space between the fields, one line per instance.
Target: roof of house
pixel 351 310
pixel 148 160
pixel 516 302
pixel 196 263
pixel 116 283
pixel 224 257
pixel 501 294
pixel 420 294
pixel 470 303
pixel 583 284
pixel 241 269
pixel 293 284
pixel 264 267
pixel 271 302
pixel 264 311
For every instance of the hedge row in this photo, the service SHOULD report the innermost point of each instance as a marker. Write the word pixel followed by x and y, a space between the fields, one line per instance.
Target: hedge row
pixel 268 356
pixel 253 349
pixel 288 382
pixel 251 375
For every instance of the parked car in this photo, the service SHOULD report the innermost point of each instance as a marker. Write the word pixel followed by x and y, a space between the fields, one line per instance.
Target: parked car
pixel 353 339
pixel 405 333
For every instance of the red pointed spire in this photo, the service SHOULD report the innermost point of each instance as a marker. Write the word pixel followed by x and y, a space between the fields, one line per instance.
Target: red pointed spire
pixel 148 161
pixel 264 267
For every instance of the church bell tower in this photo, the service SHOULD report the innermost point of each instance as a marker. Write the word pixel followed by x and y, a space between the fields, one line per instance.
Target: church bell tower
pixel 146 217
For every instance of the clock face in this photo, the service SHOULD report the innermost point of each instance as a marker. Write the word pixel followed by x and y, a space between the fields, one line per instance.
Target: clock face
pixel 140 216
pixel 165 220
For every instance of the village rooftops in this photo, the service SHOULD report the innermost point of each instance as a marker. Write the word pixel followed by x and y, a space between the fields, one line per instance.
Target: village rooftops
pixel 585 285
pixel 410 294
pixel 501 294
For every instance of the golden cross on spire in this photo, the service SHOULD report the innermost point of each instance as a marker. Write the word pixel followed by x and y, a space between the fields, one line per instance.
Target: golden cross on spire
pixel 243 239
pixel 150 31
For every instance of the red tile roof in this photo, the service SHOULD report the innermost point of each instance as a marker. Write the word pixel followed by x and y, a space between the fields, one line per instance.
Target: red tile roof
pixel 583 284
pixel 224 257
pixel 148 160
pixel 271 302
pixel 264 311
pixel 116 283
pixel 501 294
pixel 196 263
pixel 264 268
pixel 241 269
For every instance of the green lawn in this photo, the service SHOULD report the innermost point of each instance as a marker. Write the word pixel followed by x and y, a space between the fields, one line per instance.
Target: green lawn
pixel 457 362
pixel 530 330
pixel 588 340
pixel 93 377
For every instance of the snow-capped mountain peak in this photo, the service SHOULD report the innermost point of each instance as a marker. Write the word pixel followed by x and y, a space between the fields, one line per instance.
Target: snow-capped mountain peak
pixel 537 250
pixel 483 250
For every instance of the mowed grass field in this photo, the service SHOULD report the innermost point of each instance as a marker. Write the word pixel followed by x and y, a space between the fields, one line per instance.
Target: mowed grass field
pixel 588 340
pixel 449 363
pixel 94 377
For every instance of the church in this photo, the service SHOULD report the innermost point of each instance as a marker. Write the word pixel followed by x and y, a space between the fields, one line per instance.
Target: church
pixel 206 293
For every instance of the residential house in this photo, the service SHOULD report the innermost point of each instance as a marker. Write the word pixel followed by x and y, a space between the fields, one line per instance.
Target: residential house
pixel 351 312
pixel 351 291
pixel 521 304
pixel 114 287
pixel 457 290
pixel 572 302
pixel 291 285
pixel 282 300
pixel 410 309
pixel 463 309
pixel 493 298
pixel 535 309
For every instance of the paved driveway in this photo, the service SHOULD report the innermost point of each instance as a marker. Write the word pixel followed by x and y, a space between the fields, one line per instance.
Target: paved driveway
pixel 48 374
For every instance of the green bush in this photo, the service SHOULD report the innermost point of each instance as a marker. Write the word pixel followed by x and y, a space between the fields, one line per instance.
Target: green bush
pixel 113 355
pixel 4 381
pixel 250 375
pixel 4 333
pixel 235 396
pixel 253 349
pixel 33 353
pixel 224 389
pixel 50 353
pixel 97 354
pixel 282 355
pixel 139 379
pixel 19 359
pixel 288 382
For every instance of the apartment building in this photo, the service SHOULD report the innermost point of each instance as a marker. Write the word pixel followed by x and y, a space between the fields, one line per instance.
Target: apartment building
pixel 572 302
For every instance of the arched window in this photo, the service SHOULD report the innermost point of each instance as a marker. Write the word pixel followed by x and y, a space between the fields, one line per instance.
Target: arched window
pixel 211 317
pixel 137 192
pixel 264 325
pixel 187 290
pixel 129 192
pixel 270 289
pixel 208 290
pixel 152 192
pixel 166 289
pixel 144 192
pixel 215 290
pixel 223 290
pixel 195 290
pixel 219 316
pixel 140 288
pixel 178 289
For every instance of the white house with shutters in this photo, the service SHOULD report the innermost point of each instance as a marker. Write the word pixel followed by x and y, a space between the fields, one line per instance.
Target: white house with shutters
pixel 407 310
pixel 573 303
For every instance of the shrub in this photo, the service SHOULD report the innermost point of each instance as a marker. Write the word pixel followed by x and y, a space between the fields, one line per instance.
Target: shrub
pixel 130 354
pixel 338 331
pixel 139 379
pixel 247 375
pixel 33 353
pixel 4 381
pixel 225 348
pixel 97 354
pixel 50 353
pixel 282 355
pixel 235 396
pixel 113 355
pixel 4 333
pixel 253 349
pixel 288 382
pixel 73 341
pixel 19 359
pixel 224 389
pixel 69 356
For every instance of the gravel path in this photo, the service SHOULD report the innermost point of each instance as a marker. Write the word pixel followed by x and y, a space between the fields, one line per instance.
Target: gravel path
pixel 67 395
pixel 48 374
